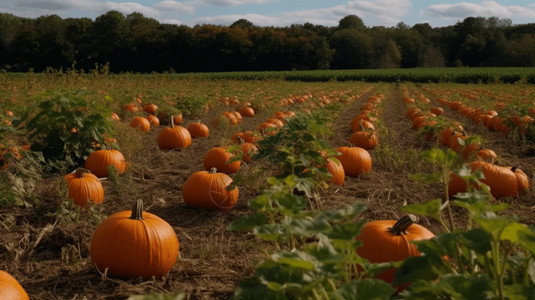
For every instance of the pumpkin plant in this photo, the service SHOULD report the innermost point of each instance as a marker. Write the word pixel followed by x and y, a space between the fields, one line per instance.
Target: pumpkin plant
pixel 210 189
pixel 10 288
pixel 134 243
pixel 65 126
pixel 83 186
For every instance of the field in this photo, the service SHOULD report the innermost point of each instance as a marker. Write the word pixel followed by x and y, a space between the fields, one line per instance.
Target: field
pixel 47 239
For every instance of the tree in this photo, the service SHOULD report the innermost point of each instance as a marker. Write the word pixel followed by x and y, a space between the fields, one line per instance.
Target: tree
pixel 351 22
pixel 353 49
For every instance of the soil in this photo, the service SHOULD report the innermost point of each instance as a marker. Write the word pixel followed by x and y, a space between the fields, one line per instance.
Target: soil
pixel 51 260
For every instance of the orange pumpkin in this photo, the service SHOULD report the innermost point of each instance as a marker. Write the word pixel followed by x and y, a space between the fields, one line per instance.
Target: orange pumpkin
pixel 208 189
pixel 198 130
pixel 98 161
pixel 355 160
pixel 173 137
pixel 131 107
pixel 364 139
pixel 134 243
pixel 153 120
pixel 218 158
pixel 246 111
pixel 487 155
pixel 115 117
pixel 501 180
pixel 140 123
pixel 337 171
pixel 247 149
pixel 390 241
pixel 150 108
pixel 84 186
pixel 10 288
pixel 522 180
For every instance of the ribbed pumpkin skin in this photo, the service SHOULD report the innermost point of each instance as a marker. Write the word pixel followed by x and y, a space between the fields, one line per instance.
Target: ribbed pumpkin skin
pixel 337 170
pixel 205 189
pixel 141 123
pixel 364 139
pixel 131 248
pixel 10 288
pixel 98 161
pixel 170 138
pixel 355 160
pixel 218 157
pixel 83 186
pixel 198 130
pixel 380 245
pixel 501 180
pixel 247 149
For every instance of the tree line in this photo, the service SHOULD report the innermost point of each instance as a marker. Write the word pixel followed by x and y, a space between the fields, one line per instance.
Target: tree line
pixel 134 43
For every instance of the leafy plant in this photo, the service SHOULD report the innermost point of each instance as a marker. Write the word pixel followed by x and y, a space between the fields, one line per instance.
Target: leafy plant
pixel 66 127
pixel 493 257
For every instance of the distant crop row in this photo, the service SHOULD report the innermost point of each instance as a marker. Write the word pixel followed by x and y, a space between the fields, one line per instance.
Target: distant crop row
pixel 419 75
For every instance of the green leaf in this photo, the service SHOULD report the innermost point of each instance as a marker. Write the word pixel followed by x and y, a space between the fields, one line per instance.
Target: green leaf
pixel 248 222
pixel 431 208
pixel 519 292
pixel 306 227
pixel 347 212
pixel 477 239
pixel 414 268
pixel 527 240
pixel 427 178
pixel 366 289
pixel 292 204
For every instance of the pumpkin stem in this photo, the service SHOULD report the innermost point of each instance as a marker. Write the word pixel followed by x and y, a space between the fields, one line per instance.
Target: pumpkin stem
pixel 514 169
pixel 401 226
pixel 213 170
pixel 172 121
pixel 80 172
pixel 137 210
pixel 240 140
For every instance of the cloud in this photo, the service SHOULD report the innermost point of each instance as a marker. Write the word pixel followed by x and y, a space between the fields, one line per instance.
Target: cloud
pixel 234 2
pixel 57 4
pixel 384 12
pixel 175 6
pixel 462 10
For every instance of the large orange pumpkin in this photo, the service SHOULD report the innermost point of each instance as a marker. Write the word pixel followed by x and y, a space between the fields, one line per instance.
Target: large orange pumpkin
pixel 134 243
pixel 208 189
pixel 501 180
pixel 84 186
pixel 390 241
pixel 10 288
pixel 364 139
pixel 218 158
pixel 173 137
pixel 98 161
pixel 337 171
pixel 522 180
pixel 355 160
pixel 140 123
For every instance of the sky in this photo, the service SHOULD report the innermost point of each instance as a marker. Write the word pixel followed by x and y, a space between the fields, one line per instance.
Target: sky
pixel 281 13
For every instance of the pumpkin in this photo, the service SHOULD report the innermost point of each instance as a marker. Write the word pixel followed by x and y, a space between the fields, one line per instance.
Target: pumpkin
pixel 437 110
pixel 141 123
pixel 84 186
pixel 150 108
pixel 134 243
pixel 247 136
pixel 177 119
pixel 173 137
pixel 363 125
pixel 131 107
pixel 208 189
pixel 218 158
pixel 98 161
pixel 247 149
pixel 337 171
pixel 487 155
pixel 266 128
pixel 10 288
pixel 153 120
pixel 355 160
pixel 246 111
pixel 198 130
pixel 115 117
pixel 522 180
pixel 364 139
pixel 390 241
pixel 501 180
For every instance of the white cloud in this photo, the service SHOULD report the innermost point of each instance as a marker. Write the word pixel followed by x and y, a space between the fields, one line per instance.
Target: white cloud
pixel 175 6
pixel 484 9
pixel 384 12
pixel 234 2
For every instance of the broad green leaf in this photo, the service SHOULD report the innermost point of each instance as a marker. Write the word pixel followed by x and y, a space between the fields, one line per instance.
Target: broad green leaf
pixel 519 292
pixel 292 203
pixel 527 240
pixel 307 227
pixel 427 178
pixel 414 268
pixel 477 239
pixel 346 231
pixel 346 212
